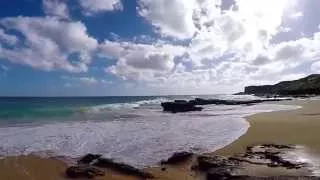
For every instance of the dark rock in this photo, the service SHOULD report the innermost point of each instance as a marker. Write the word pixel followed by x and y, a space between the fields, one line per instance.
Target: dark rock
pixel 219 173
pixel 208 162
pixel 180 101
pixel 83 172
pixel 163 169
pixel 178 157
pixel 193 105
pixel 273 178
pixel 121 167
pixel 268 154
pixel 309 85
pixel 179 106
pixel 278 146
pixel 239 93
pixel 89 158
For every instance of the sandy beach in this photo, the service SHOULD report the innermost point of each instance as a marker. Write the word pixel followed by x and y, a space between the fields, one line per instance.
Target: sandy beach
pixel 298 127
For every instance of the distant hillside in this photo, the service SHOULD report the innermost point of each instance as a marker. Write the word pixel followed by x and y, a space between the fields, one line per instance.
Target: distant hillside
pixel 307 85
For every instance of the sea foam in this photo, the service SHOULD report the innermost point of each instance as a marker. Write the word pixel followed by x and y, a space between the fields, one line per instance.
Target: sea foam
pixel 143 139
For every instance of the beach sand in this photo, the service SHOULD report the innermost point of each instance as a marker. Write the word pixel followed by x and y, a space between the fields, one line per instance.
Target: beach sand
pixel 299 127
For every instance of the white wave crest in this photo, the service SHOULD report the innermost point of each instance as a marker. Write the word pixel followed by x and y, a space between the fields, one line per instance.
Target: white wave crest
pixel 116 106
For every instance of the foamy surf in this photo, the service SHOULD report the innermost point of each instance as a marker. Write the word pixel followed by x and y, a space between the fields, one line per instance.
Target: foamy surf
pixel 131 105
pixel 141 140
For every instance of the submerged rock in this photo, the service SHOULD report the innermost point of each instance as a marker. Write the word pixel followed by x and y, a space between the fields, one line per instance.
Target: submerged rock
pixel 121 167
pixel 89 158
pixel 83 172
pixel 178 157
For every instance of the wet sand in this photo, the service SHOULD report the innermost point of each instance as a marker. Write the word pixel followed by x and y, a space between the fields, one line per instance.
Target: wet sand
pixel 285 127
pixel 299 127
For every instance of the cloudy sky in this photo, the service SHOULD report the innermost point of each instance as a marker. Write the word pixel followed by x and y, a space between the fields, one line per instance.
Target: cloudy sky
pixel 147 47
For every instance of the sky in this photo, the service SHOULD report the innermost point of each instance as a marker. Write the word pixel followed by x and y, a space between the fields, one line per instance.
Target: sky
pixel 154 47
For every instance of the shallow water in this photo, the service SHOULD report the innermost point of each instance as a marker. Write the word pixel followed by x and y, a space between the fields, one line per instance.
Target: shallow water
pixel 134 131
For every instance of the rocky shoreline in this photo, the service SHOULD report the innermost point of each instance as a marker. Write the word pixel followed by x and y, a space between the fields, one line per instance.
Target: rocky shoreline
pixel 196 105
pixel 212 167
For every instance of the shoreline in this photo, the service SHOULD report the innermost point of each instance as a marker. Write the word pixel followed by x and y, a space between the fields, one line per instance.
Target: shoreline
pixel 277 127
pixel 298 126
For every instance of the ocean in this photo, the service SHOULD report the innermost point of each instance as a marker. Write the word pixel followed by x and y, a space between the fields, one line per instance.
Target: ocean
pixel 132 129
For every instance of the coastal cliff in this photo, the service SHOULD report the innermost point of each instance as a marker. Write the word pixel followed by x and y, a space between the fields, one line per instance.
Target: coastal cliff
pixel 304 86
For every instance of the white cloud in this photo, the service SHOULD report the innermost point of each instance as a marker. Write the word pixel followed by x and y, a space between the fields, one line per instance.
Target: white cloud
pixel 95 6
pixel 231 47
pixel 315 67
pixel 170 17
pixel 208 47
pixel 296 15
pixel 7 39
pixel 56 8
pixel 83 80
pixel 50 43
pixel 88 80
pixel 285 29
pixel 140 61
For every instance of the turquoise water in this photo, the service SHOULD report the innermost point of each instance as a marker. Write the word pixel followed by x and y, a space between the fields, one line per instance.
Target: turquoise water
pixel 35 108
pixel 52 107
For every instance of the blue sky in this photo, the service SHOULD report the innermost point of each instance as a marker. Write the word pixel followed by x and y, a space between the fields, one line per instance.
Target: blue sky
pixel 149 47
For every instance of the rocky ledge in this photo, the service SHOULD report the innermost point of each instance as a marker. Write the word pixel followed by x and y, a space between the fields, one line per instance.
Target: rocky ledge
pixel 195 105
pixel 212 167
pixel 92 165
pixel 228 168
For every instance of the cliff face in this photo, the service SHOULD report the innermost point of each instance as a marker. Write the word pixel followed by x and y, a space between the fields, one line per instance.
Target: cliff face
pixel 307 85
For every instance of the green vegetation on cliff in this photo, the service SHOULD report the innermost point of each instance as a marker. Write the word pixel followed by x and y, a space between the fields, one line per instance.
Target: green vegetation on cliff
pixel 303 86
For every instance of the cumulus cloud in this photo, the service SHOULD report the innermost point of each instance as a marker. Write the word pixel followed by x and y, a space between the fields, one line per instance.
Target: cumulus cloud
pixel 198 43
pixel 225 47
pixel 170 17
pixel 56 8
pixel 140 61
pixel 96 6
pixel 50 43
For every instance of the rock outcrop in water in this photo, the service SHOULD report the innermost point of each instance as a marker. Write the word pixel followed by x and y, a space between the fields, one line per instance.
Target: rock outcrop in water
pixel 180 106
pixel 309 85
pixel 194 105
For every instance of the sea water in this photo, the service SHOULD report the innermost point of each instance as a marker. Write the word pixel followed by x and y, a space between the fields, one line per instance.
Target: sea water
pixel 134 130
